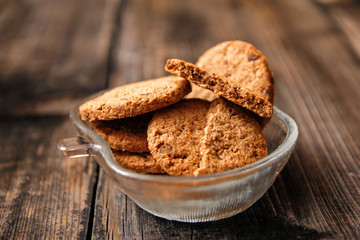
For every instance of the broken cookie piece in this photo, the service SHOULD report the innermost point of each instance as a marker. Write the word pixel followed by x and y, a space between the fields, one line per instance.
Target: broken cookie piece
pixel 234 70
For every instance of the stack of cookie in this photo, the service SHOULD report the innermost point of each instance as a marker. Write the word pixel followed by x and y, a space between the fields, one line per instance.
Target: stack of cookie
pixel 156 126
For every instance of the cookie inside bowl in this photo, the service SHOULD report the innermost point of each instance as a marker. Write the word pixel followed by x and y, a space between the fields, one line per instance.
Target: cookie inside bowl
pixel 191 137
pixel 201 198
pixel 199 159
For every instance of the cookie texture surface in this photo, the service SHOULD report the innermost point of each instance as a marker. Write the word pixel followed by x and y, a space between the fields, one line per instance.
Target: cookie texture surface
pixel 174 136
pixel 138 162
pixel 221 86
pixel 127 134
pixel 134 99
pixel 232 139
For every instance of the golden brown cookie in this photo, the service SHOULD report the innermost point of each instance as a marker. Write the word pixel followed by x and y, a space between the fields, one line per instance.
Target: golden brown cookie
pixel 174 136
pixel 232 139
pixel 134 99
pixel 138 162
pixel 242 64
pixel 127 134
pixel 221 86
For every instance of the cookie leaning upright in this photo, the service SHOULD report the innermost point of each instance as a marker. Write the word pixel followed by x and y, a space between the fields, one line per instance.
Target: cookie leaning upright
pixel 134 99
pixel 234 70
pixel 232 138
pixel 174 136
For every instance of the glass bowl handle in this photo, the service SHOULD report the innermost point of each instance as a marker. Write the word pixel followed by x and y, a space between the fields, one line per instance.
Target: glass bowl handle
pixel 75 147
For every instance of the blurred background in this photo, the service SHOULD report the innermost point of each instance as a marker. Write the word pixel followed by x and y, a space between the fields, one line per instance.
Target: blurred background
pixel 54 53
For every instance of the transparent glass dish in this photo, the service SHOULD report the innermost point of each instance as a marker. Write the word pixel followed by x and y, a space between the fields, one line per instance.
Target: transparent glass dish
pixel 192 199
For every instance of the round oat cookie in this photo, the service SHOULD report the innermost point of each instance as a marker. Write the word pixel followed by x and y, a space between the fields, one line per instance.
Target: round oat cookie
pixel 138 162
pixel 174 136
pixel 242 64
pixel 232 139
pixel 134 99
pixel 127 134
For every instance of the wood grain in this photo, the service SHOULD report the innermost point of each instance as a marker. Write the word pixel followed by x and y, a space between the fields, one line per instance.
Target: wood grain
pixel 49 48
pixel 53 53
pixel 347 19
pixel 42 194
pixel 150 32
pixel 322 152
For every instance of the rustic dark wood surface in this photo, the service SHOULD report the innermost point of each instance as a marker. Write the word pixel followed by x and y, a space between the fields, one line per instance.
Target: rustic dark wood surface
pixel 54 53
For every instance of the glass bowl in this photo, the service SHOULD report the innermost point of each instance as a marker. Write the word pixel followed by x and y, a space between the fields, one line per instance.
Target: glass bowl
pixel 191 199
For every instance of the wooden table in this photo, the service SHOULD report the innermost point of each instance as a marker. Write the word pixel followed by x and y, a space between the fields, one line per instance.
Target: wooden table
pixel 53 53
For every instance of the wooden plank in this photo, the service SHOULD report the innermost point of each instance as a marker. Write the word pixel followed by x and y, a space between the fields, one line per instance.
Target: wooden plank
pixel 52 53
pixel 117 217
pixel 44 105
pixel 42 194
pixel 150 32
pixel 307 81
pixel 347 18
pixel 49 48
pixel 317 194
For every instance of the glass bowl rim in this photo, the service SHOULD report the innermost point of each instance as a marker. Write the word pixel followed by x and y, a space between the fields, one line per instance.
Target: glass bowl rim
pixel 287 144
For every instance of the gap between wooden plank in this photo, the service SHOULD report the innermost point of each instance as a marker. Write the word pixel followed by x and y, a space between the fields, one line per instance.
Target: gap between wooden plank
pixel 92 203
pixel 114 40
pixel 109 66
